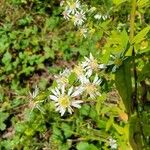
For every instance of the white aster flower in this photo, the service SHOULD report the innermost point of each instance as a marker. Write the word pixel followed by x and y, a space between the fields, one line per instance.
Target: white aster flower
pixel 91 88
pixel 104 17
pixel 79 18
pixel 73 6
pixel 97 16
pixel 66 14
pixel 83 32
pixel 90 64
pixel 33 103
pixel 34 93
pixel 62 78
pixel 92 9
pixel 65 99
pixel 79 71
pixel 62 3
pixel 112 143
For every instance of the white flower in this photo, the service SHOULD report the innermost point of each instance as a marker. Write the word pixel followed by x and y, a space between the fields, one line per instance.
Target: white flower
pixel 92 9
pixel 62 78
pixel 79 71
pixel 34 93
pixel 90 64
pixel 79 18
pixel 97 16
pixel 66 14
pixel 104 17
pixel 112 143
pixel 83 32
pixel 65 100
pixel 62 3
pixel 33 103
pixel 73 6
pixel 91 88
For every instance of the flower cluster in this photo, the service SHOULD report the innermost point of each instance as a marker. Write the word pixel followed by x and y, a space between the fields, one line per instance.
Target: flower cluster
pixel 66 95
pixel 78 13
pixel 74 11
pixel 113 144
pixel 86 85
pixel 34 102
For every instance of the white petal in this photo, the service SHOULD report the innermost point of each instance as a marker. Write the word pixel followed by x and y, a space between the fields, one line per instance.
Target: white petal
pixel 89 72
pixel 62 111
pixel 77 92
pixel 58 108
pixel 53 97
pixel 56 104
pixel 102 66
pixel 58 92
pixel 70 91
pixel 63 89
pixel 54 92
pixel 91 56
pixel 98 82
pixel 77 103
pixel 70 110
pixel 95 79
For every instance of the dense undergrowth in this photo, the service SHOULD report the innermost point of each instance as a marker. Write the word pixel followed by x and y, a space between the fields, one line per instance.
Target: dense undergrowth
pixel 36 43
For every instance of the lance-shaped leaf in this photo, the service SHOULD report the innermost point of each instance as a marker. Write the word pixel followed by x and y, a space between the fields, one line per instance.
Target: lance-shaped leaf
pixel 124 84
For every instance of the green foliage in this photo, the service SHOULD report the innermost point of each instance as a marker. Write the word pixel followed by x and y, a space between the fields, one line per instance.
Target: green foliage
pixel 122 80
pixel 3 117
pixel 36 43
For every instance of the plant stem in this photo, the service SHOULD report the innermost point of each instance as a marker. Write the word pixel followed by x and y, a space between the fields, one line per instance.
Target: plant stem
pixel 133 140
pixel 132 19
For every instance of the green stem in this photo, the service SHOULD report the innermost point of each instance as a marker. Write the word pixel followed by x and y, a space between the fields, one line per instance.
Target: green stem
pixel 132 19
pixel 137 134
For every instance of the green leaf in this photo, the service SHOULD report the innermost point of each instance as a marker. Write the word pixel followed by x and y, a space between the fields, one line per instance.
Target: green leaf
pixel 100 100
pixel 119 129
pixel 109 123
pixel 83 146
pixel 140 36
pixel 118 2
pixel 123 83
pixel 72 78
pixel 3 117
pixel 6 58
pixel 86 146
pixel 143 3
pixel 85 110
pixel 67 130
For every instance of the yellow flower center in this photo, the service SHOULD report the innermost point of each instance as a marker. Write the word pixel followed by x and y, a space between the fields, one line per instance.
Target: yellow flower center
pixel 73 6
pixel 63 80
pixel 118 62
pixel 94 64
pixel 64 101
pixel 90 88
pixel 78 70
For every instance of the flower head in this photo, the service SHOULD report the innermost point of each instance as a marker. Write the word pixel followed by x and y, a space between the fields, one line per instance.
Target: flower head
pixel 91 64
pixel 66 14
pixel 91 88
pixel 73 6
pixel 65 99
pixel 33 103
pixel 79 71
pixel 112 143
pixel 83 32
pixel 62 78
pixel 98 16
pixel 79 18
pixel 62 2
